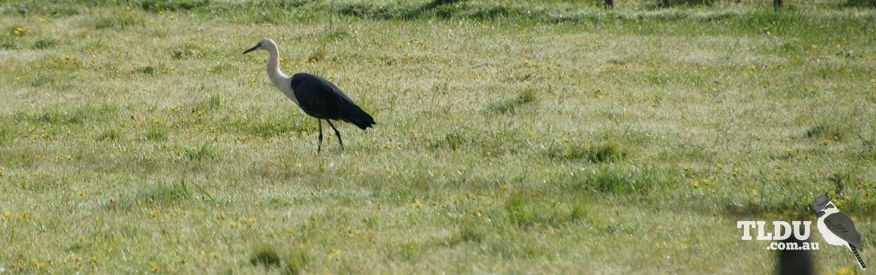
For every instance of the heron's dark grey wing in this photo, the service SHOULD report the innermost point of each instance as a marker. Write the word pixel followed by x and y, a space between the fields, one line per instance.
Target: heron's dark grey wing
pixel 322 99
pixel 317 96
pixel 843 227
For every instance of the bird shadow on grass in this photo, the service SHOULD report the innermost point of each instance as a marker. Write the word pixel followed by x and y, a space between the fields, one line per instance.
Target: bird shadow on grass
pixel 505 106
pixel 268 257
pixel 170 5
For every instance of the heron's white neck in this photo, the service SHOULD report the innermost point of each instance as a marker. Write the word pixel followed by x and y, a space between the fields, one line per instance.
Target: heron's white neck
pixel 281 81
pixel 273 68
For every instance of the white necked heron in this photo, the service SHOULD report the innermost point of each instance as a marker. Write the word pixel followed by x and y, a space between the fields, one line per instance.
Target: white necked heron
pixel 318 97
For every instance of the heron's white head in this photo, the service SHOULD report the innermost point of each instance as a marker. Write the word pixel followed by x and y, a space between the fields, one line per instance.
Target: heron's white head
pixel 264 44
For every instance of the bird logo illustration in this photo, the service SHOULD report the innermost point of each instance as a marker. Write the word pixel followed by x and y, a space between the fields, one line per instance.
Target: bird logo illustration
pixel 837 228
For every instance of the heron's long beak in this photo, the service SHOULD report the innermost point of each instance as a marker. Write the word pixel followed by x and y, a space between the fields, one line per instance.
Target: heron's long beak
pixel 252 49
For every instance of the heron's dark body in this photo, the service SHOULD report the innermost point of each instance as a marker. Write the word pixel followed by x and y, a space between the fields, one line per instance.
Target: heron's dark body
pixel 321 99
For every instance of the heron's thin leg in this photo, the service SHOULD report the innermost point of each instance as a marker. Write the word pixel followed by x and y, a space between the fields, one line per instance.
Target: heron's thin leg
pixel 319 145
pixel 337 134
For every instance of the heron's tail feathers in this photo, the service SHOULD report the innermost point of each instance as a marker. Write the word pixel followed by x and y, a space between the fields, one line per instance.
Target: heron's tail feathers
pixel 357 116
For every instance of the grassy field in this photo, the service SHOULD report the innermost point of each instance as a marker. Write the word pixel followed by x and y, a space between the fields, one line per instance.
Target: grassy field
pixel 511 136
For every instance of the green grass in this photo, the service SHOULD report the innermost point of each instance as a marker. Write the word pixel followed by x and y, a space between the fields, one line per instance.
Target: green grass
pixel 511 136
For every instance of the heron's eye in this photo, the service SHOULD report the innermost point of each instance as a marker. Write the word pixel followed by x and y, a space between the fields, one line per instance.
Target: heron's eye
pixel 830 206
